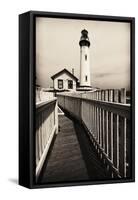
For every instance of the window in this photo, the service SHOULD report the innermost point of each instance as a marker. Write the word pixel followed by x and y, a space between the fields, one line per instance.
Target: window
pixel 70 84
pixel 86 78
pixel 60 84
pixel 85 57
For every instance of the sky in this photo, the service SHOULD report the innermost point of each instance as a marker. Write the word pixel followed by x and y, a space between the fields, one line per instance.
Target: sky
pixel 57 47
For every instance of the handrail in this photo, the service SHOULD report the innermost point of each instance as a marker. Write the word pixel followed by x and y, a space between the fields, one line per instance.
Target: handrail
pixel 117 108
pixel 42 105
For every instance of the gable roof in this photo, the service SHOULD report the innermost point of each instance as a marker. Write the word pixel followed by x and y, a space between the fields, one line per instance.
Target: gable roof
pixel 64 71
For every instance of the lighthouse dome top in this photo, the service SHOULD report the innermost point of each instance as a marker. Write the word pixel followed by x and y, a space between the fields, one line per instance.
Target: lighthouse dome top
pixel 84 32
pixel 84 40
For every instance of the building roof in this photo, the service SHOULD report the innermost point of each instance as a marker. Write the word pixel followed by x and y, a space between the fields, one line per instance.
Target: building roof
pixel 64 71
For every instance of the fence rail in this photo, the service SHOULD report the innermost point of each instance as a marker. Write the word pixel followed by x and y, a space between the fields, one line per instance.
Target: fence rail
pixel 46 127
pixel 107 118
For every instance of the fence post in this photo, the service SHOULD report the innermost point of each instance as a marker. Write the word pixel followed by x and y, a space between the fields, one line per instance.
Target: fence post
pixel 116 133
pixel 98 138
pixel 122 163
pixel 107 121
pixel 56 117
pixel 111 126
pixel 100 122
pixel 123 95
pixel 103 121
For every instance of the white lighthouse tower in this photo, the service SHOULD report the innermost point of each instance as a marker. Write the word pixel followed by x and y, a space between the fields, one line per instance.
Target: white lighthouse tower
pixel 85 82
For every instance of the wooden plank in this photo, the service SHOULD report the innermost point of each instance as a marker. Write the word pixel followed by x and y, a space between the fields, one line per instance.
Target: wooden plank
pixel 111 126
pixel 89 117
pixel 95 122
pixel 43 146
pixel 103 121
pixel 93 119
pixel 100 121
pixel 95 95
pixel 122 139
pixel 98 138
pixel 37 143
pixel 116 133
pixel 106 125
pixel 39 135
pixel 122 147
pixel 82 109
pixel 97 110
pixel 45 128
pixel 56 117
pixel 128 149
pixel 123 95
pixel 86 113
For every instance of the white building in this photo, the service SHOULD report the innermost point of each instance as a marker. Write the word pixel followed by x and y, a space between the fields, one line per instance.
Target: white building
pixel 64 81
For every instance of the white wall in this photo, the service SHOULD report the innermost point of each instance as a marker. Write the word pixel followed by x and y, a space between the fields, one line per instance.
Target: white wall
pixel 84 67
pixel 65 77
pixel 9 11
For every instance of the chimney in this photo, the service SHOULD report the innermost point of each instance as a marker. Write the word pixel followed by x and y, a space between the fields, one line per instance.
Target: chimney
pixel 73 71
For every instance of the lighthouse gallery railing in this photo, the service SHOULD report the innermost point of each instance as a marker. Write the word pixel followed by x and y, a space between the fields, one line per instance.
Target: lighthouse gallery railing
pixel 108 125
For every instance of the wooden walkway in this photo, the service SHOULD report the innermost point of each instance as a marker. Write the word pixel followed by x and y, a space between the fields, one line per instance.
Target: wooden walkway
pixel 72 157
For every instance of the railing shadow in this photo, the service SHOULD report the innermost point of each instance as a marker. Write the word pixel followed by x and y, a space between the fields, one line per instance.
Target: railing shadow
pixel 95 168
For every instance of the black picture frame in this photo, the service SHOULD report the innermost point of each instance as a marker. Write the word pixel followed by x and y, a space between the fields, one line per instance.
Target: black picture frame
pixel 27 76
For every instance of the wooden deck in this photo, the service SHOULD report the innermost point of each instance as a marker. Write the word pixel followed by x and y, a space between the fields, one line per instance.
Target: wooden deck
pixel 72 157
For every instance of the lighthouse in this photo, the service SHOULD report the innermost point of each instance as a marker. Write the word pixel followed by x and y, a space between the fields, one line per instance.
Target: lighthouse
pixel 85 82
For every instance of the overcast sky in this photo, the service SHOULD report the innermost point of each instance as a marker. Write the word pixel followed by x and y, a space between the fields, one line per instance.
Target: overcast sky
pixel 57 47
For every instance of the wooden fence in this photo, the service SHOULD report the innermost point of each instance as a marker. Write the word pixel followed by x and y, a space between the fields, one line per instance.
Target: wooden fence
pixel 106 116
pixel 46 127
